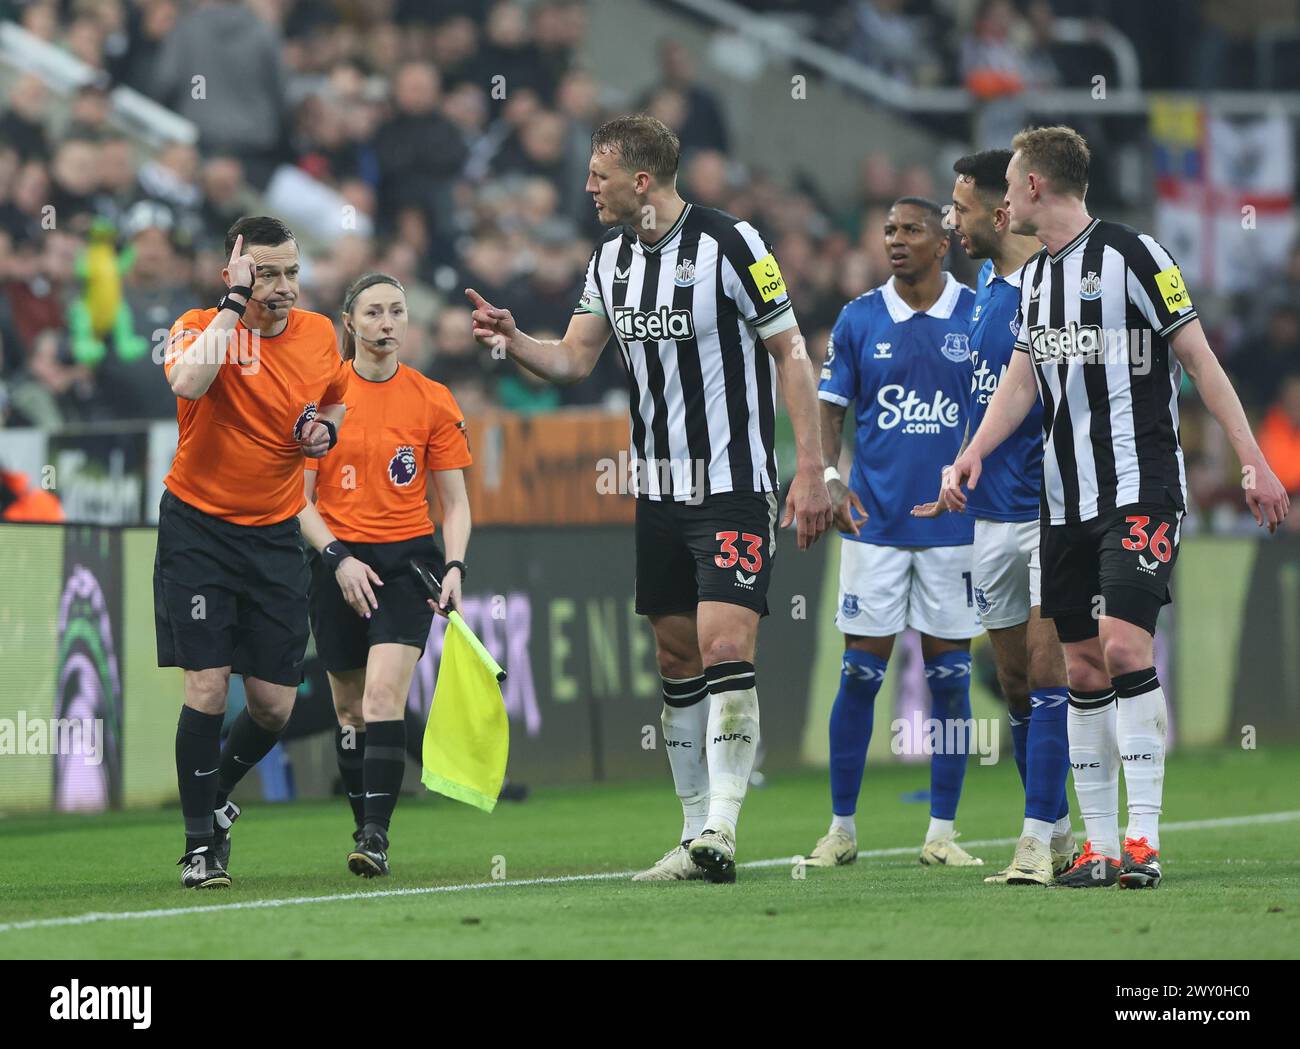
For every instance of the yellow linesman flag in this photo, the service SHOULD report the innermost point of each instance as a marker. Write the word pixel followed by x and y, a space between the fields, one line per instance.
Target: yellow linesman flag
pixel 467 736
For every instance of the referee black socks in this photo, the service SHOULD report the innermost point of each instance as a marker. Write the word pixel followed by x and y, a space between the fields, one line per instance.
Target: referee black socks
pixel 383 767
pixel 198 755
pixel 350 749
pixel 247 744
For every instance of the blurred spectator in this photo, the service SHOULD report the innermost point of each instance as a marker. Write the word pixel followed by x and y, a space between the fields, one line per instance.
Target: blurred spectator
pixel 221 68
pixel 696 114
pixel 1266 359
pixel 998 67
pixel 225 196
pixel 149 24
pixel 881 35
pixel 155 290
pixel 75 173
pixel 420 151
pixel 90 109
pixel 459 362
pixel 23 123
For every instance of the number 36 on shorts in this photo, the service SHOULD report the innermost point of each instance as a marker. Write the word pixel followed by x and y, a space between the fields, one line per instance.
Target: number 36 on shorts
pixel 1158 542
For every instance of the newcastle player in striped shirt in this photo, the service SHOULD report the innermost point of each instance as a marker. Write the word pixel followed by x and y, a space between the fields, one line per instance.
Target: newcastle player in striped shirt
pixel 1107 327
pixel 697 304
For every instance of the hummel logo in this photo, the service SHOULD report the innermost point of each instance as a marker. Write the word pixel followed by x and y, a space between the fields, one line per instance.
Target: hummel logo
pixel 208 773
pixel 882 351
pixel 621 277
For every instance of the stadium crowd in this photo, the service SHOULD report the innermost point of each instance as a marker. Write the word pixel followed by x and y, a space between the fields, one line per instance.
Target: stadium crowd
pixel 447 175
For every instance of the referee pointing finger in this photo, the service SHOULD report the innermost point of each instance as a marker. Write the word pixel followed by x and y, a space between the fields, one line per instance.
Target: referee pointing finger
pixel 259 386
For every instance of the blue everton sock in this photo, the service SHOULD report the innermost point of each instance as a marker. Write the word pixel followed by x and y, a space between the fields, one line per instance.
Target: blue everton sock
pixel 1049 755
pixel 1020 742
pixel 860 677
pixel 949 678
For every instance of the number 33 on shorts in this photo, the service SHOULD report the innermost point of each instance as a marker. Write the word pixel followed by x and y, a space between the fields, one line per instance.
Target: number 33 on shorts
pixel 751 561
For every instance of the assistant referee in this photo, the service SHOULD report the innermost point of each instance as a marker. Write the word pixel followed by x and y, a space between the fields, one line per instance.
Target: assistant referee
pixel 368 516
pixel 259 385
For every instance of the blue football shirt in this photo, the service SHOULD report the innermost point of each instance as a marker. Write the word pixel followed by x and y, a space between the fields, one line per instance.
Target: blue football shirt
pixel 908 376
pixel 1010 484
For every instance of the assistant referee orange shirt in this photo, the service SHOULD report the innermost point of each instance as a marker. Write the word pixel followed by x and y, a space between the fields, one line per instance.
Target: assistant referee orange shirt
pixel 238 457
pixel 370 487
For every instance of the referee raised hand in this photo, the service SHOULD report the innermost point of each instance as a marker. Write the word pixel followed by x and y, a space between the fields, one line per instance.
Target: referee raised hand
pixel 259 386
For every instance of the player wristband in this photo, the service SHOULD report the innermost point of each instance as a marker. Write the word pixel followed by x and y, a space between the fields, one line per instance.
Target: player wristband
pixel 831 474
pixel 227 303
pixel 334 431
pixel 455 564
pixel 334 554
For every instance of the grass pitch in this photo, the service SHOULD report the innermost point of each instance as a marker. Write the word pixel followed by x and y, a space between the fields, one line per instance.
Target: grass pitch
pixel 538 880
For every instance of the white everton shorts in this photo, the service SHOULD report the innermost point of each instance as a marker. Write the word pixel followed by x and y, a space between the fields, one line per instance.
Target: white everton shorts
pixel 1007 574
pixel 884 589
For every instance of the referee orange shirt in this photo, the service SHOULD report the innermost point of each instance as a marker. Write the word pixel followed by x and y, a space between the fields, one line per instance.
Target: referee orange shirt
pixel 370 487
pixel 238 457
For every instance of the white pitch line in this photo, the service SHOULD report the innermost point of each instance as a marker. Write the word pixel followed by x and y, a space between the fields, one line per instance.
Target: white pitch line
pixel 563 879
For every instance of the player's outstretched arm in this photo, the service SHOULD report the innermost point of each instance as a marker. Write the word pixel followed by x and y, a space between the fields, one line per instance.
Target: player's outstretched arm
pixel 808 504
pixel 195 368
pixel 454 499
pixel 1015 395
pixel 560 361
pixel 1265 496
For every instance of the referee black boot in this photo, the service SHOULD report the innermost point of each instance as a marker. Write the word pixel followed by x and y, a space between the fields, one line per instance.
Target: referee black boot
pixel 370 857
pixel 203 870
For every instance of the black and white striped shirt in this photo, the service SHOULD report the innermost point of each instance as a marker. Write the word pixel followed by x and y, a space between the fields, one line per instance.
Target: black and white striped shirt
pixel 1096 319
pixel 688 313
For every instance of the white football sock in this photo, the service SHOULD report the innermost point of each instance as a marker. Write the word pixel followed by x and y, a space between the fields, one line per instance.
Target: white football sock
pixel 732 741
pixel 847 824
pixel 1140 729
pixel 1039 830
pixel 1061 828
pixel 939 829
pixel 1094 757
pixel 685 728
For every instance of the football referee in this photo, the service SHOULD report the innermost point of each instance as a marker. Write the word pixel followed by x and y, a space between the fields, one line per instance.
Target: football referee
pixel 698 306
pixel 1107 326
pixel 259 385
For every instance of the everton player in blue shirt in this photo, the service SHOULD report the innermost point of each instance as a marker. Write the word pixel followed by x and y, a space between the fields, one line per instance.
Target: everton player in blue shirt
pixel 901 355
pixel 1005 505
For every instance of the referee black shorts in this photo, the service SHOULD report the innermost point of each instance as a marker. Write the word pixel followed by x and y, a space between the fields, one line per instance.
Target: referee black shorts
pixel 229 595
pixel 343 638
pixel 720 549
pixel 1118 564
